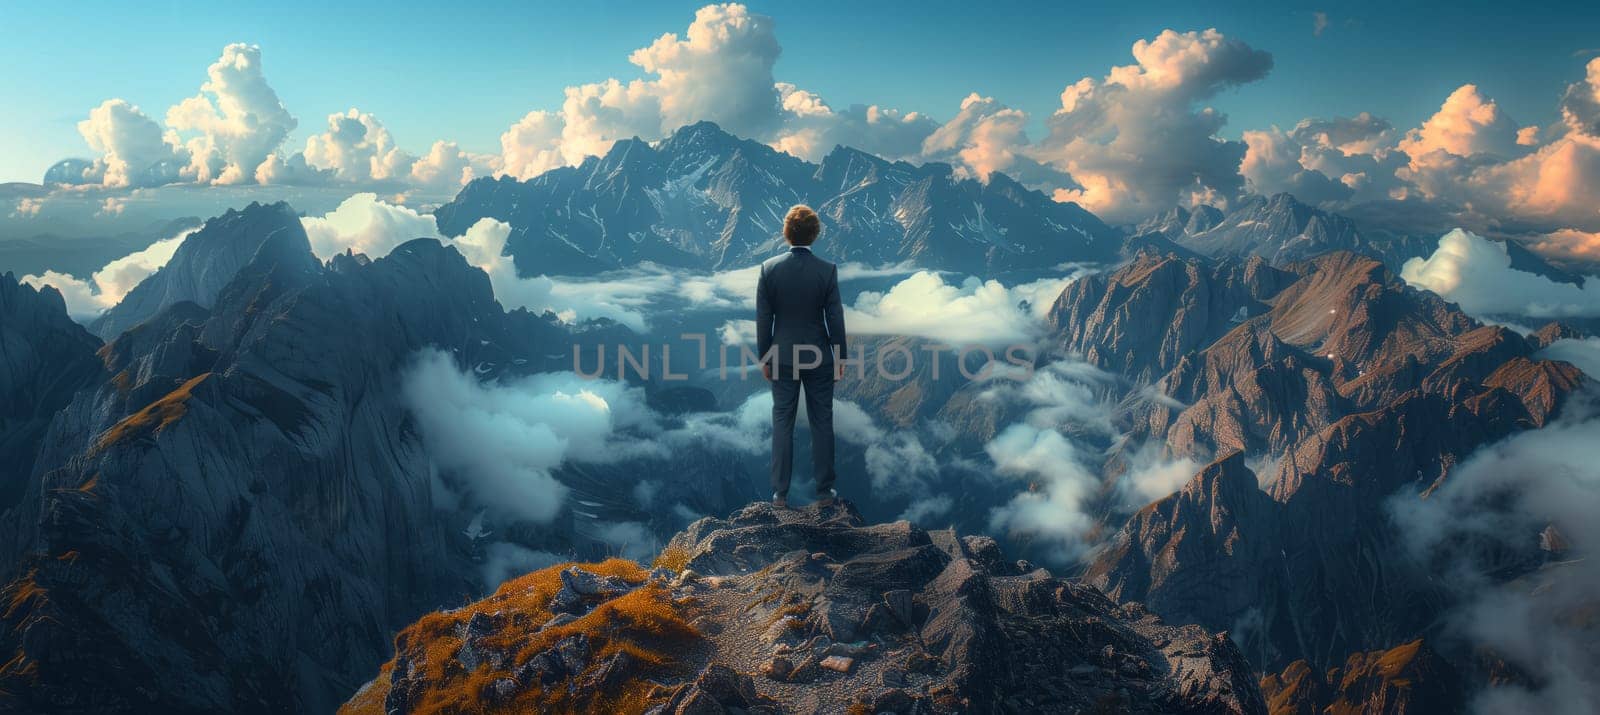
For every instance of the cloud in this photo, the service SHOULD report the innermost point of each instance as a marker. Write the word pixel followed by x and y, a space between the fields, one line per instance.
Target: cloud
pixel 28 207
pixel 899 465
pixel 235 122
pixel 1055 505
pixel 629 539
pixel 1581 352
pixel 1476 273
pixel 503 441
pixel 231 132
pixel 1499 501
pixel 975 312
pixel 134 150
pixel 1467 124
pixel 87 299
pixel 925 511
pixel 364 224
pixel 357 149
pixel 1472 155
pixel 1152 476
pixel 1138 142
pixel 812 128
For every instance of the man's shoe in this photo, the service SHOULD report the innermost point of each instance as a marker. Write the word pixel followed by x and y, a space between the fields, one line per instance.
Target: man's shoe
pixel 827 498
pixel 780 501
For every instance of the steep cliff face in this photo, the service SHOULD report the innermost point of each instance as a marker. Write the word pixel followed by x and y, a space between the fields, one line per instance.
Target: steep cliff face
pixel 44 359
pixel 243 513
pixel 702 198
pixel 808 611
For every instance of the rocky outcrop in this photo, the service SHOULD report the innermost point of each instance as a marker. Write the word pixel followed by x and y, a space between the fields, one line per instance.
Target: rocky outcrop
pixel 702 198
pixel 1408 678
pixel 801 611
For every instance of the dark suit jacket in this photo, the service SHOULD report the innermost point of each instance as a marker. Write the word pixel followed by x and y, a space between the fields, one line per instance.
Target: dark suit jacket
pixel 797 303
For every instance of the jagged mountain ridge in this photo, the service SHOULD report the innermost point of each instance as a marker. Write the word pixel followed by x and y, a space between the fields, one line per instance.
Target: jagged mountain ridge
pixel 242 512
pixel 774 610
pixel 702 198
pixel 1280 229
pixel 1344 387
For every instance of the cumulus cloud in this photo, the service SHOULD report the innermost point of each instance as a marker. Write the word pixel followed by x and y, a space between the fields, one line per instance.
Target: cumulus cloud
pixel 1467 124
pixel 28 207
pixel 1138 141
pixel 235 122
pixel 812 128
pixel 231 132
pixel 1476 273
pixel 134 150
pixel 1502 500
pixel 1472 155
pixel 503 441
pixel 87 298
pixel 357 148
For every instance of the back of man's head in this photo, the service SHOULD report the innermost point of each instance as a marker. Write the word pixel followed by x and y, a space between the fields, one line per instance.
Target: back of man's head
pixel 801 226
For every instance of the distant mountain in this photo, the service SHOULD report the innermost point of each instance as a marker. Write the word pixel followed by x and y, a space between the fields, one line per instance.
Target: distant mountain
pixel 780 611
pixel 702 198
pixel 82 255
pixel 1281 230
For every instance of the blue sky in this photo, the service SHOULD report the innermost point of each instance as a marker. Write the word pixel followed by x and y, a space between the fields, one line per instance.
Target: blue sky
pixel 432 71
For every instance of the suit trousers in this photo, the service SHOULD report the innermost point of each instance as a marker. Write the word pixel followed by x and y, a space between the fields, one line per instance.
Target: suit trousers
pixel 818 385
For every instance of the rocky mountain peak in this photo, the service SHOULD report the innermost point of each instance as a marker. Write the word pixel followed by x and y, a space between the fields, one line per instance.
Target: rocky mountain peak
pixel 206 261
pixel 805 610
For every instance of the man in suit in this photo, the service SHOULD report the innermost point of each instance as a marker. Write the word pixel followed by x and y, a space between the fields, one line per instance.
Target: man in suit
pixel 800 335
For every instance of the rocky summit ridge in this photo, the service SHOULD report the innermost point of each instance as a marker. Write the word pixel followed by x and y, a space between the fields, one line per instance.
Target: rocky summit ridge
pixel 809 610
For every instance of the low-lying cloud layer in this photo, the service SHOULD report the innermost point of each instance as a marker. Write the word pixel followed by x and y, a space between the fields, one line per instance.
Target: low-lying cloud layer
pixel 502 442
pixel 88 298
pixel 1536 487
pixel 1476 273
pixel 974 312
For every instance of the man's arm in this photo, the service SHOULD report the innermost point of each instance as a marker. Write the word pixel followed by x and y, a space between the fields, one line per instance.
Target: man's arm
pixel 763 322
pixel 833 313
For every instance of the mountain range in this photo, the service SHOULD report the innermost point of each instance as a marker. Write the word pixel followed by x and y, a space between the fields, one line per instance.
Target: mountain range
pixel 218 495
pixel 704 199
